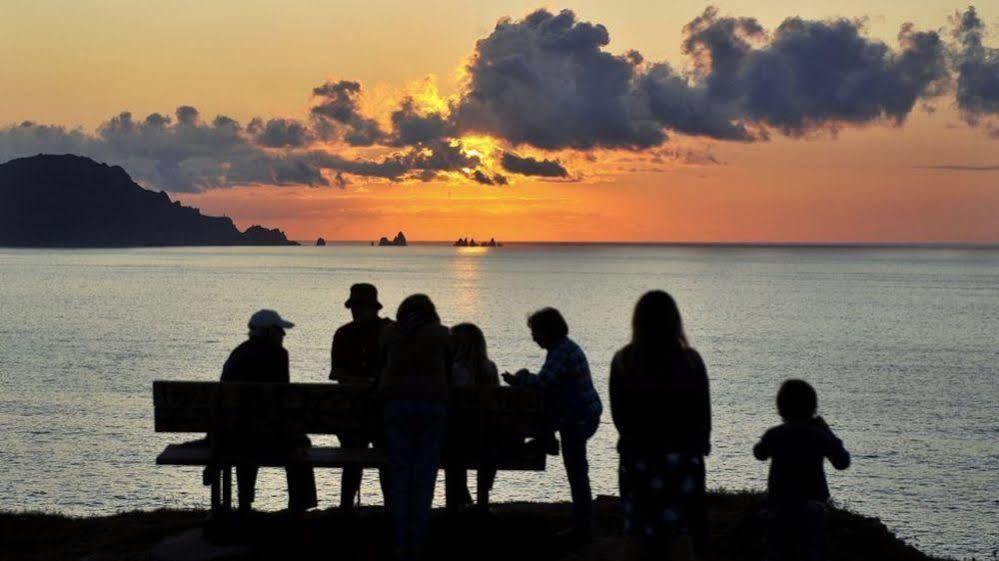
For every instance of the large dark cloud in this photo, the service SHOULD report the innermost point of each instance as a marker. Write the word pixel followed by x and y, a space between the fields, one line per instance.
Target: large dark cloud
pixel 977 73
pixel 547 81
pixel 813 73
pixel 532 166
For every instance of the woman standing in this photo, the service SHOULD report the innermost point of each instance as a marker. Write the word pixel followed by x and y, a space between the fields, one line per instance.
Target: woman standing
pixel 660 406
pixel 414 384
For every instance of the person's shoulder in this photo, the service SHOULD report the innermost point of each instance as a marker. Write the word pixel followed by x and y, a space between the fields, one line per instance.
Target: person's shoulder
pixel 625 352
pixel 693 355
pixel 438 332
pixel 570 346
pixel 344 330
pixel 389 331
pixel 623 357
pixel 775 432
pixel 242 349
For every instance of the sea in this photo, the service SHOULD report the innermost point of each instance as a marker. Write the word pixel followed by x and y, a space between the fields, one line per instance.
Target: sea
pixel 901 343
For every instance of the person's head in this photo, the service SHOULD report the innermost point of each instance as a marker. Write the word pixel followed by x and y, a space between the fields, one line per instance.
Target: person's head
pixel 269 325
pixel 547 327
pixel 416 311
pixel 469 343
pixel 656 322
pixel 363 302
pixel 797 401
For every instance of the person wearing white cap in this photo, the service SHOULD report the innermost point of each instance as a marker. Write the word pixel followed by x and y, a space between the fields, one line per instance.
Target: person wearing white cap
pixel 262 358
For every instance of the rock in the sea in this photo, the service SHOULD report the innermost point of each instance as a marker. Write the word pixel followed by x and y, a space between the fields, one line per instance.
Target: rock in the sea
pixel 399 240
pixel 320 242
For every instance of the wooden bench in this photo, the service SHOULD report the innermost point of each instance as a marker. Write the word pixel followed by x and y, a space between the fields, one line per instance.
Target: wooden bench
pixel 498 420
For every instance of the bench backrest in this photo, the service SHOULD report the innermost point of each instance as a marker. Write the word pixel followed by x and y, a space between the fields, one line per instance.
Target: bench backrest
pixel 283 409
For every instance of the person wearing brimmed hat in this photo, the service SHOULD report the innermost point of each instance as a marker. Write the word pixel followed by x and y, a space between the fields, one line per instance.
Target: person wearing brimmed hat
pixel 354 360
pixel 262 358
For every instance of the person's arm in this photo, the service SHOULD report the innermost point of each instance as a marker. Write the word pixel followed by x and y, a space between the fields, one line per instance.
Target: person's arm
pixel 617 405
pixel 227 370
pixel 448 357
pixel 553 370
pixel 383 351
pixel 491 374
pixel 284 373
pixel 704 397
pixel 337 371
pixel 835 451
pixel 762 449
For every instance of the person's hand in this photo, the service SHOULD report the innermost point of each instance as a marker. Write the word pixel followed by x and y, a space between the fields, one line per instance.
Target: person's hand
pixel 509 378
pixel 522 372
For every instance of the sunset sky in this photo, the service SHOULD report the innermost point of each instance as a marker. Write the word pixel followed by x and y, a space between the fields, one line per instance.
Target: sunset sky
pixel 352 120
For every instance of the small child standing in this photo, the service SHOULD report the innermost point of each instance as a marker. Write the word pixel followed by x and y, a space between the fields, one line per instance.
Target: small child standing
pixel 796 487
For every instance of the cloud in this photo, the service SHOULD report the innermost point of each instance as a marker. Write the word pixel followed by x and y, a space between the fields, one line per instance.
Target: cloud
pixel 977 73
pixel 961 167
pixel 808 75
pixel 337 113
pixel 409 126
pixel 547 81
pixel 480 176
pixel 280 133
pixel 185 154
pixel 531 166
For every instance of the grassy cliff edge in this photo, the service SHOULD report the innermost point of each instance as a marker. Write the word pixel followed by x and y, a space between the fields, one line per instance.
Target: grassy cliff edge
pixel 513 532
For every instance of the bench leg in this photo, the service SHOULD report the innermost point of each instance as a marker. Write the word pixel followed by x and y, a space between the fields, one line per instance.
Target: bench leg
pixel 226 489
pixel 216 492
pixel 449 506
pixel 482 485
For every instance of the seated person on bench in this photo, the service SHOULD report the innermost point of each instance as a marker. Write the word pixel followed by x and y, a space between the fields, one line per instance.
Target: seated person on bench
pixel 354 359
pixel 262 358
pixel 470 367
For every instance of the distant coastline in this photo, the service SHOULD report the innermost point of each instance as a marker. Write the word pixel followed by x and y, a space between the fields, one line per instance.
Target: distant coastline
pixel 68 201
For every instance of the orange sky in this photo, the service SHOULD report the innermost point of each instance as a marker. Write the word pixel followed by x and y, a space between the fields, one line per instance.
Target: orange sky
pixel 66 63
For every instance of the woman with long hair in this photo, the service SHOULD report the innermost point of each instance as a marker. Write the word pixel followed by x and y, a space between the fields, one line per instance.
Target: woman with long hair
pixel 661 408
pixel 414 385
pixel 471 367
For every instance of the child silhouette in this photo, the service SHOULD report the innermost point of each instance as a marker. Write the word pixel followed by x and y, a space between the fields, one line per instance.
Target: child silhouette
pixel 796 487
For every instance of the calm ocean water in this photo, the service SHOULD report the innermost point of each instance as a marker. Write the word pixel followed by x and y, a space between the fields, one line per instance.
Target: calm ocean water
pixel 901 344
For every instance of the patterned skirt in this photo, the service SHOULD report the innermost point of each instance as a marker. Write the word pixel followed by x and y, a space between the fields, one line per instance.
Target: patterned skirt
pixel 662 492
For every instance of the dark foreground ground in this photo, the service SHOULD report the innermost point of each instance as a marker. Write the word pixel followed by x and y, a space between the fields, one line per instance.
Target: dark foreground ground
pixel 511 532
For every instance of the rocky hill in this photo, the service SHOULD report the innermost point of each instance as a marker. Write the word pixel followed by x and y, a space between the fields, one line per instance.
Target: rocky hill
pixel 72 201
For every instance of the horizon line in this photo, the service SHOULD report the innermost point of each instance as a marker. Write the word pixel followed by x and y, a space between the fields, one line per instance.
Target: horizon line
pixel 761 243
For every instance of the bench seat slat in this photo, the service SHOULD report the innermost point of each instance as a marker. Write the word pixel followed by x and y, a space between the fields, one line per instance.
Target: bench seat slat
pixel 330 457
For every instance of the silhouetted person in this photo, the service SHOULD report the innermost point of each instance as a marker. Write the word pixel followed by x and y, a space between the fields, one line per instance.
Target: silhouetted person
pixel 354 360
pixel 262 358
pixel 660 405
pixel 574 405
pixel 796 488
pixel 471 367
pixel 414 384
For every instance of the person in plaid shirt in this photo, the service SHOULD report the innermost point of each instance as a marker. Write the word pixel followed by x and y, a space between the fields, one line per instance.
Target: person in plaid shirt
pixel 575 408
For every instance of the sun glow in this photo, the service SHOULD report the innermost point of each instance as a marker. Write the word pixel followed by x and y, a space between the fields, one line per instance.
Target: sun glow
pixel 481 146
